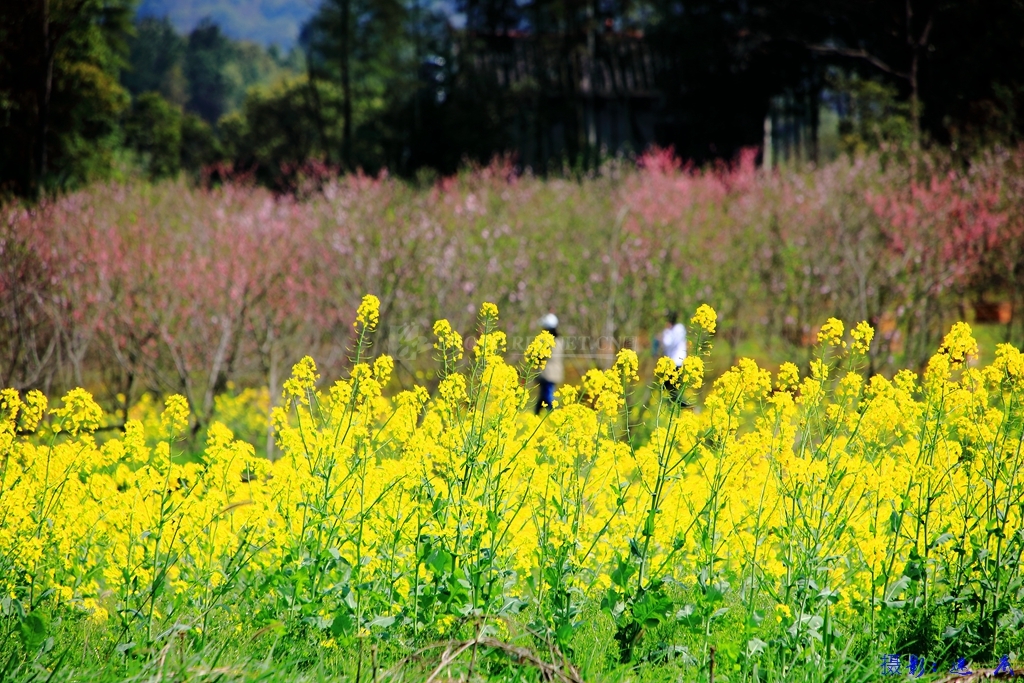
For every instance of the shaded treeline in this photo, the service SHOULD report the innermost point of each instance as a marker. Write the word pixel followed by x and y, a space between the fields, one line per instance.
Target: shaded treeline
pixel 408 85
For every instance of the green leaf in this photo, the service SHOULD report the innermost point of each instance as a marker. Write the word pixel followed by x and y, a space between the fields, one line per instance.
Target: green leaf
pixel 895 589
pixel 563 634
pixel 944 538
pixel 719 613
pixel 610 600
pixel 895 520
pixel 440 561
pixel 755 646
pixel 343 624
pixel 620 575
pixel 649 523
pixel 651 609
pixel 914 570
pixel 716 592
pixel 952 632
pixel 688 616
pixel 33 628
pixel 383 622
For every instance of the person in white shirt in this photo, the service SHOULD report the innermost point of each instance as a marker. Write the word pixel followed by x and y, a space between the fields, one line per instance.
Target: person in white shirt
pixel 673 342
pixel 673 339
pixel 553 373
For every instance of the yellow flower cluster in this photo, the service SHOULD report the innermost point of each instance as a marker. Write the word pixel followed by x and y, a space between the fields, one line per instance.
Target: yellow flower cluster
pixel 79 413
pixel 303 380
pixel 449 342
pixel 368 313
pixel 539 350
pixel 689 375
pixel 787 377
pixel 627 364
pixel 862 335
pixel 490 345
pixel 705 318
pixel 488 311
pixel 959 344
pixel 831 332
pixel 851 479
pixel 174 419
pixel 666 372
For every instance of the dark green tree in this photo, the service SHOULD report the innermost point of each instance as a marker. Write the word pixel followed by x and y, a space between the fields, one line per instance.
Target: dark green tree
pixel 156 61
pixel 250 65
pixel 206 57
pixel 367 48
pixel 153 130
pixel 60 62
pixel 199 146
pixel 955 63
pixel 279 127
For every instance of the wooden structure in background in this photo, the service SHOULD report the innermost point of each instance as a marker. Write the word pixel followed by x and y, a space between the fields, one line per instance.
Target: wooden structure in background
pixel 581 99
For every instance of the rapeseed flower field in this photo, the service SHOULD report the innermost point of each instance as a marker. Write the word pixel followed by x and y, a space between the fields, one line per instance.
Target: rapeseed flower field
pixel 800 526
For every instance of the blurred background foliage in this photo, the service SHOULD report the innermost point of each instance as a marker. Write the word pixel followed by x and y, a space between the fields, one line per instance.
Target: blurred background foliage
pixel 99 89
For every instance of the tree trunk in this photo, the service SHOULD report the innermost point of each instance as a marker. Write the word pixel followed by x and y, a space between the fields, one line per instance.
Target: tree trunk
pixel 591 102
pixel 916 44
pixel 43 97
pixel 915 102
pixel 346 85
pixel 313 97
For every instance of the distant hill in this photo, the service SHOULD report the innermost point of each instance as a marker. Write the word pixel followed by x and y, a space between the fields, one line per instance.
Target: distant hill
pixel 268 22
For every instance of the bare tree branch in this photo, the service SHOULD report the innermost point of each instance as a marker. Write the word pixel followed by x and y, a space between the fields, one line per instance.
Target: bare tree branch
pixel 861 54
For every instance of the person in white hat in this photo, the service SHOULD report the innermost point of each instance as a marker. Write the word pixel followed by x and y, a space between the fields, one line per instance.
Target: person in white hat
pixel 554 371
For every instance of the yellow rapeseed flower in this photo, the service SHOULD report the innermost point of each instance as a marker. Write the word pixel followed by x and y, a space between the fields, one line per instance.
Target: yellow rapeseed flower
pixel 382 368
pixel 627 365
pixel 666 371
pixel 567 395
pixel 368 313
pixel 959 343
pixel 750 470
pixel 787 377
pixel 32 411
pixel 303 380
pixel 488 311
pixel 490 344
pixel 705 318
pixel 174 418
pixel 79 413
pixel 693 372
pixel 1008 366
pixel 831 333
pixel 449 342
pixel 539 350
pixel 862 335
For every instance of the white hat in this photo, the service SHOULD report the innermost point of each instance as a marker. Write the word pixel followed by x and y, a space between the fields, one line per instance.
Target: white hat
pixel 549 322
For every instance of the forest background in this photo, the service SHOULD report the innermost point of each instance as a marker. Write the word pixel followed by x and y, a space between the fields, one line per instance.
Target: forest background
pixel 100 89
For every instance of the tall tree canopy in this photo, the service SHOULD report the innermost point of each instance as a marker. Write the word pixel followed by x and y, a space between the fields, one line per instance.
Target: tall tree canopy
pixel 59 89
pixel 156 61
pixel 206 58
pixel 405 84
pixel 367 48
